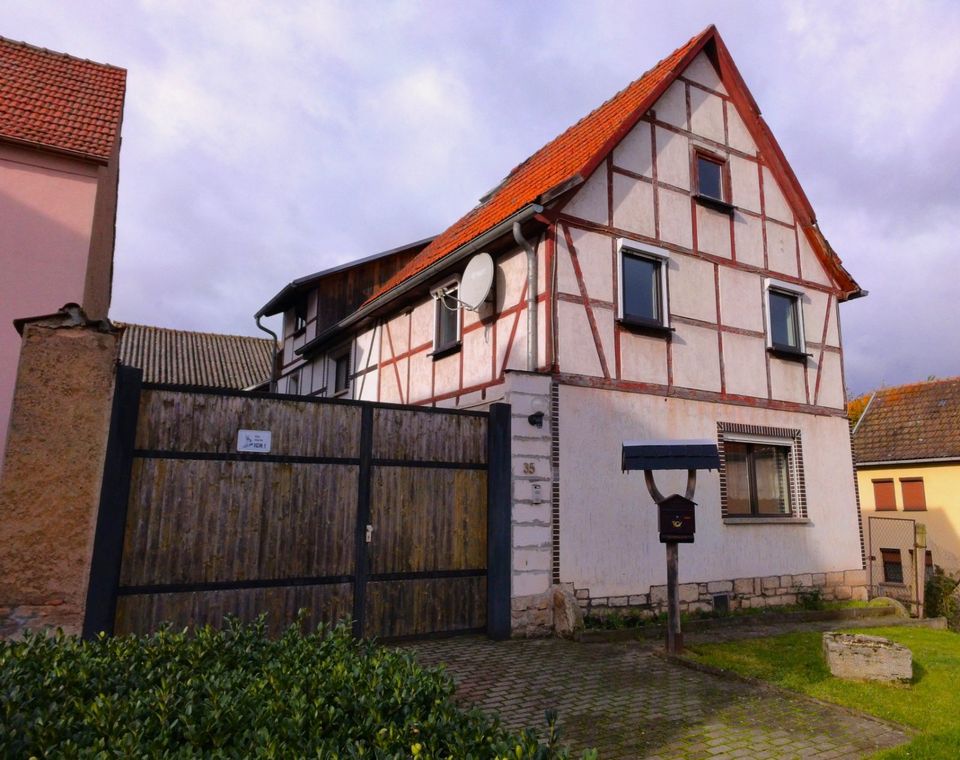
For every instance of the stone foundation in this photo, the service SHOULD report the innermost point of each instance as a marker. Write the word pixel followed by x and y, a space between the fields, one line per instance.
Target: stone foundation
pixel 552 612
pixel 740 593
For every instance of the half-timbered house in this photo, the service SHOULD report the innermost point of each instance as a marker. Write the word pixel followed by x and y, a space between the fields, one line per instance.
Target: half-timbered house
pixel 670 274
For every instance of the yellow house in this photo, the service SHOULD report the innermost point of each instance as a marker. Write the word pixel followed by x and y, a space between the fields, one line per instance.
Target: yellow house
pixel 906 446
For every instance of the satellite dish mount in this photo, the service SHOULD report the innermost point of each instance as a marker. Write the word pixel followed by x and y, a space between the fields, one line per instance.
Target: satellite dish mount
pixel 475 284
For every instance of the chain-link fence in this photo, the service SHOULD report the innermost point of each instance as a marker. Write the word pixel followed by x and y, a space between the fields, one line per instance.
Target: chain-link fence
pixel 892 569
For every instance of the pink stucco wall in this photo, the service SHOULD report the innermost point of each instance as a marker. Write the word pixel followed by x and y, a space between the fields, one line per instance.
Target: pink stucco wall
pixel 46 216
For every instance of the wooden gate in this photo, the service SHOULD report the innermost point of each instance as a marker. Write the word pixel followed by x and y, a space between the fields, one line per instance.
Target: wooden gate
pixel 396 517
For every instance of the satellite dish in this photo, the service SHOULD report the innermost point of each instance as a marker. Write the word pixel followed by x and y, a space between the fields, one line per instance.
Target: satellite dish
pixel 476 281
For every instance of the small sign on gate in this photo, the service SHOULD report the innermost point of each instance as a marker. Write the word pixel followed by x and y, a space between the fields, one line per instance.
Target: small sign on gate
pixel 256 441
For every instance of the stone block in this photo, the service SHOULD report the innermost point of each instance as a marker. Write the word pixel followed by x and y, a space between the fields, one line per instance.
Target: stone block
pixel 658 595
pixel 538 514
pixel 700 607
pixel 689 592
pixel 819 579
pixel 535 559
pixel 786 581
pixel 744 586
pixel 531 535
pixel 835 579
pixel 567 616
pixel 526 447
pixel 619 601
pixel 855 577
pixel 583 593
pixel 770 582
pixel 527 583
pixel 859 593
pixel 719 587
pixel 843 592
pixel 519 381
pixel 638 600
pixel 867 658
pixel 804 580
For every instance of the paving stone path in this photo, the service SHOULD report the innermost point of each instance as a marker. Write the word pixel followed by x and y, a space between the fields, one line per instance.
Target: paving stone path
pixel 631 703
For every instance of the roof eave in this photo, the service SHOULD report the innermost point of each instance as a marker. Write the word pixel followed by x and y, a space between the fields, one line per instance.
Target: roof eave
pixel 527 213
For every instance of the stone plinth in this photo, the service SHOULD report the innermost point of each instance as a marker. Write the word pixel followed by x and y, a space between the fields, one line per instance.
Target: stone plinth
pixel 867 658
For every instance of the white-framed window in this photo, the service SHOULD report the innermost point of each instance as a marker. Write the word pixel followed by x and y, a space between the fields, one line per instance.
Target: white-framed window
pixel 446 317
pixel 761 474
pixel 710 173
pixel 339 371
pixel 784 318
pixel 643 299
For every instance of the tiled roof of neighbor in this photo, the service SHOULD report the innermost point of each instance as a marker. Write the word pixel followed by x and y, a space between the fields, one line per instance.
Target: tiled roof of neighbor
pixel 578 150
pixel 58 101
pixel 910 422
pixel 195 358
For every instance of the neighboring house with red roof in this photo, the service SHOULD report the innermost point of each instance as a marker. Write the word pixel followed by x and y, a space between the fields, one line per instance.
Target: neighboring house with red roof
pixel 906 447
pixel 669 269
pixel 60 120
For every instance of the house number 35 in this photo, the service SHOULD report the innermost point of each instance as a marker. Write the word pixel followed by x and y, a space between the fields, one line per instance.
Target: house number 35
pixel 529 468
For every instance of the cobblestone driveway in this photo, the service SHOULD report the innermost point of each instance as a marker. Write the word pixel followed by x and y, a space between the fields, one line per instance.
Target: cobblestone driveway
pixel 628 702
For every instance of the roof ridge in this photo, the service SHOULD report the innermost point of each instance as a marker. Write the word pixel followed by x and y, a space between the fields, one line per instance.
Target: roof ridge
pixel 48 51
pixel 120 323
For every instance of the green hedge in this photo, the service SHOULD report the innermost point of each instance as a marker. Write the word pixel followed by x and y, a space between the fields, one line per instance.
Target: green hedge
pixel 237 693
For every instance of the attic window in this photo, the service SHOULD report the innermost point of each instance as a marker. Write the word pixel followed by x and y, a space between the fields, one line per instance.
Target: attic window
pixel 299 316
pixel 785 320
pixel 711 181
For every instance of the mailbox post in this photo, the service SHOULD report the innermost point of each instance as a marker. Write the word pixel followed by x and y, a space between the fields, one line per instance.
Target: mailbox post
pixel 676 513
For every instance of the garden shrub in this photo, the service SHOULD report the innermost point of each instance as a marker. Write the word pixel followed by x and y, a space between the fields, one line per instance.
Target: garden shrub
pixel 238 693
pixel 939 599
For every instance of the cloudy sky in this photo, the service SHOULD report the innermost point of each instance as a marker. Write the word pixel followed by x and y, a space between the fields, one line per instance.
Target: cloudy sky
pixel 265 141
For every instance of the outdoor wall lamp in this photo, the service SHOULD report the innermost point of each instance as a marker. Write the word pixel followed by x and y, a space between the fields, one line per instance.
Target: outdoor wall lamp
pixel 536 419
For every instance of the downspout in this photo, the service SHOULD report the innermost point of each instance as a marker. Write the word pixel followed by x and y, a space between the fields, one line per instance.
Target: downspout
pixel 531 297
pixel 276 351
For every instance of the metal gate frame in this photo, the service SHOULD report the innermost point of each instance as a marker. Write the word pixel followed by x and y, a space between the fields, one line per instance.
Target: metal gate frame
pixel 912 575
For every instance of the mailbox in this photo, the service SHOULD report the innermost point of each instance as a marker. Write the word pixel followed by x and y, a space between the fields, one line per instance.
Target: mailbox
pixel 677 520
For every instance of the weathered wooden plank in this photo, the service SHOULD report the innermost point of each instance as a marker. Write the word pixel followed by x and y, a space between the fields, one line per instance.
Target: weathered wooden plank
pixel 425 519
pixel 428 436
pixel 144 613
pixel 204 521
pixel 183 421
pixel 415 607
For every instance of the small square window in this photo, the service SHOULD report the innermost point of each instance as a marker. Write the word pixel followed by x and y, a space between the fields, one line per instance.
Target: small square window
pixel 884 497
pixel 643 285
pixel 785 319
pixel 710 177
pixel 914 498
pixel 341 372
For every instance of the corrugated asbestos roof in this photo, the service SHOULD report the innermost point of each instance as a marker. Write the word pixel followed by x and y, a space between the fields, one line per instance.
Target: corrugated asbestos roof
pixel 195 358
pixel 58 101
pixel 910 422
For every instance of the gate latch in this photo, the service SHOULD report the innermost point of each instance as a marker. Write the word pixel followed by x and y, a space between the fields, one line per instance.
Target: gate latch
pixel 369 534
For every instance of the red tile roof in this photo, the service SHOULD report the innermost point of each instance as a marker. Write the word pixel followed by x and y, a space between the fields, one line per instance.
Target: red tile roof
pixel 579 150
pixel 910 422
pixel 58 101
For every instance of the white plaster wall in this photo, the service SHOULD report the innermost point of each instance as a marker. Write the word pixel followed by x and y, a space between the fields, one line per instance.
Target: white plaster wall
pixel 706 114
pixel 692 288
pixel 421 324
pixel 608 530
pixel 633 206
pixel 745 365
pixel 781 249
pixel 775 204
pixel 477 352
pixel 673 158
pixel 675 219
pixel 595 256
pixel 577 350
pixel 738 136
pixel 702 72
pixel 748 238
pixel 590 201
pixel 744 184
pixel 811 266
pixel 446 373
pixel 643 358
pixel 832 392
pixel 713 231
pixel 421 377
pixel 741 299
pixel 672 106
pixel 696 358
pixel 787 381
pixel 635 151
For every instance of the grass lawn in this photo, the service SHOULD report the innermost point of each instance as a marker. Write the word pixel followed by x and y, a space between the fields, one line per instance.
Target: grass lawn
pixel 931 703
